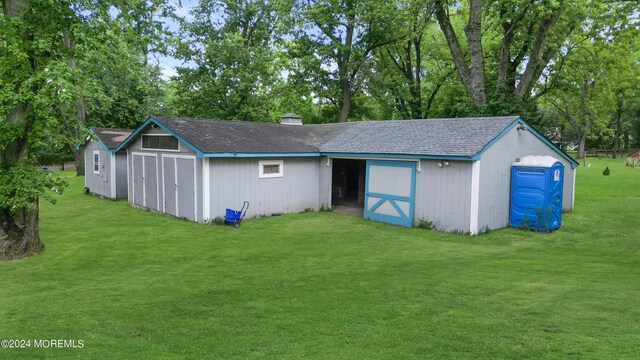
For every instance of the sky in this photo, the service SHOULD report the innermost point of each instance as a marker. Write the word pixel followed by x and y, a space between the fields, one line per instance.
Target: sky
pixel 168 64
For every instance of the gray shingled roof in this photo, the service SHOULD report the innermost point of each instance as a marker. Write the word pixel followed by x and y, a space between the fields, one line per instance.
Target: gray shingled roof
pixel 443 137
pixel 222 136
pixel 111 138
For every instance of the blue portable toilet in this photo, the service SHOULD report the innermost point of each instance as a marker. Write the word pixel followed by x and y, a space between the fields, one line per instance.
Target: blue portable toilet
pixel 536 193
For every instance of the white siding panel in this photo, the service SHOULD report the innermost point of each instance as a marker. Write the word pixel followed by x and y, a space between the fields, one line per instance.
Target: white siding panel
pixel 232 181
pixel 99 184
pixel 443 195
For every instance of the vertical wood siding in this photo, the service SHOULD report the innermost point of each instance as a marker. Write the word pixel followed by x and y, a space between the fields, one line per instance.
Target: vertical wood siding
pixel 99 184
pixel 233 181
pixel 495 176
pixel 135 169
pixel 443 195
pixel 121 175
pixel 326 173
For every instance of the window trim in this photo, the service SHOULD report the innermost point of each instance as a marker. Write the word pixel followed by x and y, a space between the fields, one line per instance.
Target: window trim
pixel 96 152
pixel 263 163
pixel 154 149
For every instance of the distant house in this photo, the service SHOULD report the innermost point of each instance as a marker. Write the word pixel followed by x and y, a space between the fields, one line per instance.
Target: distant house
pixel 454 173
pixel 105 167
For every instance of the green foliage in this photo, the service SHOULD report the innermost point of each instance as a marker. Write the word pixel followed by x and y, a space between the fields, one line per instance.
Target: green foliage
pixel 218 221
pixel 425 224
pixel 234 56
pixel 22 185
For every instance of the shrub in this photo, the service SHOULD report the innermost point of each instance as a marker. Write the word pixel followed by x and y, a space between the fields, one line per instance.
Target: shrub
pixel 425 224
pixel 217 221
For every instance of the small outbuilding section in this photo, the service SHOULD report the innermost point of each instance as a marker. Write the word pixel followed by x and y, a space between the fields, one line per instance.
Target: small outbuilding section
pixel 633 159
pixel 453 173
pixel 106 168
pixel 536 193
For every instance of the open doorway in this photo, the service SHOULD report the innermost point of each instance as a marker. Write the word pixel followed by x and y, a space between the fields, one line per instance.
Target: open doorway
pixel 347 186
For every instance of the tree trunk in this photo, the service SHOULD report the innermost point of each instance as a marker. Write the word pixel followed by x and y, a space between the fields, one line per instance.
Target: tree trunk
pixel 80 110
pixel 582 141
pixel 472 76
pixel 345 90
pixel 19 233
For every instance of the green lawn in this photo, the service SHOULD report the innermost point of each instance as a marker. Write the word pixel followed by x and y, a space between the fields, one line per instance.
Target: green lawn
pixel 133 284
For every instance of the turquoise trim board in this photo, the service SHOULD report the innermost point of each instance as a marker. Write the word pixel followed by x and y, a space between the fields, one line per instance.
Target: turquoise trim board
pixel 397 156
pixel 520 121
pixel 254 155
pixel 403 219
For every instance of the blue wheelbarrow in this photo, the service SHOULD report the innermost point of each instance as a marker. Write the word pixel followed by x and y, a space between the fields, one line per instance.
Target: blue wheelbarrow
pixel 233 217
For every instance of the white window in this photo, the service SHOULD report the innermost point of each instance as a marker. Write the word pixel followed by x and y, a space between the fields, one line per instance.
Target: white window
pixel 160 142
pixel 270 169
pixel 96 162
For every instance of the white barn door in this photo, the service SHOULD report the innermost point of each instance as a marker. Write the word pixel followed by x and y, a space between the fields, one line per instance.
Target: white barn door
pixel 145 180
pixel 179 185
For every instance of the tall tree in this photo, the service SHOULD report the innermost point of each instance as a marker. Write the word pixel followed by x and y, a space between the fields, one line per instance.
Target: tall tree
pixel 231 51
pixel 42 84
pixel 586 82
pixel 343 34
pixel 530 34
pixel 409 73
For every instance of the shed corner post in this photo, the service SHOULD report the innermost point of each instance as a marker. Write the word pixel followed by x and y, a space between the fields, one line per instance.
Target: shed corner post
pixel 475 197
pixel 206 200
pixel 112 159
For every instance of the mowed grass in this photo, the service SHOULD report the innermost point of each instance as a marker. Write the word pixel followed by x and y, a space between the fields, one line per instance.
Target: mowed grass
pixel 133 284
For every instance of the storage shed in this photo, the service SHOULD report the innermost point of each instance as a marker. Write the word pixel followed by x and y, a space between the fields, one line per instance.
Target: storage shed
pixel 454 173
pixel 106 168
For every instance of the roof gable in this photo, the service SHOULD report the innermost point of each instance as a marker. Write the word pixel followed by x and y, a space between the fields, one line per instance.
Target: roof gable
pixel 110 138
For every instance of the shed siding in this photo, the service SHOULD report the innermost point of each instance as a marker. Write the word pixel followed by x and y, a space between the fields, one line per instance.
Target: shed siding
pixel 136 147
pixel 326 171
pixel 99 184
pixel 233 181
pixel 495 176
pixel 121 175
pixel 443 195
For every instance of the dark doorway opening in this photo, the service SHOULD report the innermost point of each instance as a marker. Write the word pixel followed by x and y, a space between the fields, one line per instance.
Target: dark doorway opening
pixel 348 182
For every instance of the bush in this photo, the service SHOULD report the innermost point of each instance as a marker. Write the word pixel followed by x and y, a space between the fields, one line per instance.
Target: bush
pixel 217 221
pixel 425 224
pixel 606 171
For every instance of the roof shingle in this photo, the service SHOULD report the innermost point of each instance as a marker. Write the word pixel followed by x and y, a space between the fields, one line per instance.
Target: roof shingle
pixel 443 137
pixel 111 138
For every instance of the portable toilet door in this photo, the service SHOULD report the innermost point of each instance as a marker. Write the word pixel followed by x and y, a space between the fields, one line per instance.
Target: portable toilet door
pixel 536 193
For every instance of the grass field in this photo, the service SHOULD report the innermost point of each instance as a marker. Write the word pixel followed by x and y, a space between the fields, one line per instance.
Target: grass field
pixel 132 284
